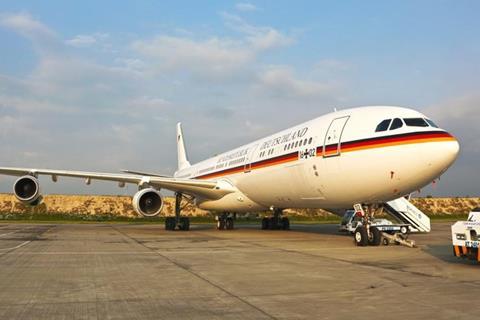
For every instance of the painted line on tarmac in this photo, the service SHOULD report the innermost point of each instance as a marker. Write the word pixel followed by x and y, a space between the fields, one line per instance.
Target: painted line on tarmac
pixel 15 231
pixel 86 253
pixel 16 247
pixel 6 234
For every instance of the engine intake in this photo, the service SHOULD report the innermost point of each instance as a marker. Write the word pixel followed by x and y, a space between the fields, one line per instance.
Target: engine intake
pixel 148 202
pixel 27 190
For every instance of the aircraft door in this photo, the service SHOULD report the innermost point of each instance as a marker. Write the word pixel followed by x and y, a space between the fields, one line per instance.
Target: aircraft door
pixel 331 144
pixel 249 159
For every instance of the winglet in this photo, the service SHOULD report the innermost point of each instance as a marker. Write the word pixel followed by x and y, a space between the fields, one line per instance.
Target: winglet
pixel 182 154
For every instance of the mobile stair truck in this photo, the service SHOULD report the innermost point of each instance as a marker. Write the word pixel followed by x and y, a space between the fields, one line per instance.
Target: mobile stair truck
pixel 403 210
pixel 466 236
pixel 409 219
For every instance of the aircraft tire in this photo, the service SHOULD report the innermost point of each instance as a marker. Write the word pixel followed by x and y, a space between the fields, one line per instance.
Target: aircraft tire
pixel 169 223
pixel 184 223
pixel 376 237
pixel 265 223
pixel 360 236
pixel 285 223
pixel 229 224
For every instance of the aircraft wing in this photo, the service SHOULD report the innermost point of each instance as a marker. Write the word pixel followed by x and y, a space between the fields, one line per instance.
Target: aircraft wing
pixel 205 188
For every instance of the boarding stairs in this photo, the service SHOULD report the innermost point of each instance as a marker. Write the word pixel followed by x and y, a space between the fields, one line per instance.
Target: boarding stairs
pixel 403 210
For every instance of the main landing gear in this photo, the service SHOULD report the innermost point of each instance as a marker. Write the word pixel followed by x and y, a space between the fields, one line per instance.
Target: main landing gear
pixel 177 222
pixel 225 221
pixel 276 222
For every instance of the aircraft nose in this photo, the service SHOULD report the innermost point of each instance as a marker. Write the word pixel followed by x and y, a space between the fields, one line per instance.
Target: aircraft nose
pixel 449 151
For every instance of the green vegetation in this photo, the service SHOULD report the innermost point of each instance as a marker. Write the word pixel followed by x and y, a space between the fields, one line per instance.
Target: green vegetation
pixel 87 218
pixel 105 218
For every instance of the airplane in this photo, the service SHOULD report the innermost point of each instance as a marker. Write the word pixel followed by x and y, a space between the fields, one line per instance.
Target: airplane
pixel 363 156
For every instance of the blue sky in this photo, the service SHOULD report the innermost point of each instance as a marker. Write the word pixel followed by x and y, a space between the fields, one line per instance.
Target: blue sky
pixel 99 85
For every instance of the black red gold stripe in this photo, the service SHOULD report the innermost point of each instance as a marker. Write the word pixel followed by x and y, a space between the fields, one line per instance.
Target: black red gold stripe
pixel 344 147
pixel 393 140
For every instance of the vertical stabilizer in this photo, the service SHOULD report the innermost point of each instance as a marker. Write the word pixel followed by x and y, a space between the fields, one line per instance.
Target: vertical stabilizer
pixel 182 154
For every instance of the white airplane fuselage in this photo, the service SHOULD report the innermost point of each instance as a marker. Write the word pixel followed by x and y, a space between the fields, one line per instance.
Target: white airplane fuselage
pixel 333 161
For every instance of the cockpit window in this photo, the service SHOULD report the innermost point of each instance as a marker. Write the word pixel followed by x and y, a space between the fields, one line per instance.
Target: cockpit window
pixel 415 122
pixel 396 123
pixel 383 126
pixel 431 123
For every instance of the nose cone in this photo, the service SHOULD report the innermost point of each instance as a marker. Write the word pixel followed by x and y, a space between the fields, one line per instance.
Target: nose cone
pixel 448 153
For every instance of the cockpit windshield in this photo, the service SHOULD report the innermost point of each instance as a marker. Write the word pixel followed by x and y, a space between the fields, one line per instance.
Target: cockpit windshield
pixel 383 126
pixel 415 122
pixel 389 124
pixel 431 123
pixel 397 123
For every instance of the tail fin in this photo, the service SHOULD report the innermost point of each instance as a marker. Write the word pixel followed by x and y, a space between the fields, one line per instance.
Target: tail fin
pixel 182 154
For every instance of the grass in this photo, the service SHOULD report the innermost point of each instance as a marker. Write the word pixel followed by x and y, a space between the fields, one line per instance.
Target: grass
pixel 82 218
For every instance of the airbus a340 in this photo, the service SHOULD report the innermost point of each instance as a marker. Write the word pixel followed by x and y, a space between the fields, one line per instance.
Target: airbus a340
pixel 366 156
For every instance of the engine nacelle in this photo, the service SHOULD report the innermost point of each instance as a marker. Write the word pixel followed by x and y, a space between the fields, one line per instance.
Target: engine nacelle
pixel 148 202
pixel 27 190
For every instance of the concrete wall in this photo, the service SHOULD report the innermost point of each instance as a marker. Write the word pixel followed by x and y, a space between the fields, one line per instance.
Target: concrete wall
pixel 122 206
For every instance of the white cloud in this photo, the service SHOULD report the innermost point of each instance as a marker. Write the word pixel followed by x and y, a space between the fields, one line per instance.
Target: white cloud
pixel 245 6
pixel 281 81
pixel 44 40
pixel 26 25
pixel 214 57
pixel 81 41
pixel 260 38
pixel 208 57
pixel 86 40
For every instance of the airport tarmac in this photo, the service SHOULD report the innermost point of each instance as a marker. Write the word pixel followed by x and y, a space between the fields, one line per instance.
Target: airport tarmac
pixel 121 271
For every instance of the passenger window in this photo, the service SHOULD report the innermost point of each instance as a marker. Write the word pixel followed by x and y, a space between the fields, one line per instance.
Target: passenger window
pixel 305 142
pixel 415 122
pixel 431 123
pixel 310 140
pixel 396 123
pixel 383 126
pixel 296 144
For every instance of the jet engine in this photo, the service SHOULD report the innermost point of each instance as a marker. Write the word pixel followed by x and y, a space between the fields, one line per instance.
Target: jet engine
pixel 27 190
pixel 148 202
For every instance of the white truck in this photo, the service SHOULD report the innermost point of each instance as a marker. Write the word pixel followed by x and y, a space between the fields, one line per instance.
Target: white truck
pixel 466 236
pixel 410 220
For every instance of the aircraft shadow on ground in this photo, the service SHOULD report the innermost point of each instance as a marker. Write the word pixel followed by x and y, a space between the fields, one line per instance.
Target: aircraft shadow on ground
pixel 444 252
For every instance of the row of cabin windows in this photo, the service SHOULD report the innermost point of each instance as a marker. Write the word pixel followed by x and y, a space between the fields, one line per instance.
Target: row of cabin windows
pixel 289 146
pixel 298 144
pixel 389 124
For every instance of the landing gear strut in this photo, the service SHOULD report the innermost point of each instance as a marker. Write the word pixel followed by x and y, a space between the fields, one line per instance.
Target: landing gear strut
pixel 177 222
pixel 366 234
pixel 276 222
pixel 225 221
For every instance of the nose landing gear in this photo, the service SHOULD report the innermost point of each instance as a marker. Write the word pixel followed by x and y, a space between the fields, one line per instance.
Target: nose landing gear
pixel 368 235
